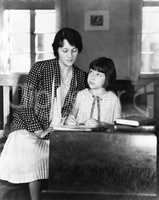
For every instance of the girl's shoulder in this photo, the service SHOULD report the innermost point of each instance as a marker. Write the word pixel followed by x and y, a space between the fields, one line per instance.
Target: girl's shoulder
pixel 83 93
pixel 110 94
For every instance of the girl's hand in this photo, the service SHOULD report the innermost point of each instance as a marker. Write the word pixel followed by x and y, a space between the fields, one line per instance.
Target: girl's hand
pixel 92 123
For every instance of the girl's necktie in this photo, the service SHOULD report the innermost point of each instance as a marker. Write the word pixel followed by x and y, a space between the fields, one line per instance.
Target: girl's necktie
pixel 95 99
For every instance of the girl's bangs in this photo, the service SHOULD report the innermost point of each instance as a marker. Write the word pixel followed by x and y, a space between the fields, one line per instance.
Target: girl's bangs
pixel 97 68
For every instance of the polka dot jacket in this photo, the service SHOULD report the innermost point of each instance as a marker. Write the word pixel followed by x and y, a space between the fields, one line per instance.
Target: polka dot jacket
pixel 33 111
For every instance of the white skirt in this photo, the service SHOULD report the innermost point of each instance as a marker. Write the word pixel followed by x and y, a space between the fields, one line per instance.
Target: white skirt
pixel 25 158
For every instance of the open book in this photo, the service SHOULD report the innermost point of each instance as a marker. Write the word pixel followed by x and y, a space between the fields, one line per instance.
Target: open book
pixel 72 128
pixel 135 121
pixel 104 127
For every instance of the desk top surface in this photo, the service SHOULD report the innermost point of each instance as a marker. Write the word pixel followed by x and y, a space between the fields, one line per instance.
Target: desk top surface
pixel 118 129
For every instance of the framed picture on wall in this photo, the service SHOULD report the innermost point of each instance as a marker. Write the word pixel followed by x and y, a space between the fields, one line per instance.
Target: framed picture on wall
pixel 96 20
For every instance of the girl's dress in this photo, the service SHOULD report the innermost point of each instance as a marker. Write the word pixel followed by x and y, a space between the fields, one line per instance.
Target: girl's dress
pixel 25 157
pixel 87 106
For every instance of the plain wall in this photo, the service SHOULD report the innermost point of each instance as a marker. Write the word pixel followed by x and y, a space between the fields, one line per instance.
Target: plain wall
pixel 114 43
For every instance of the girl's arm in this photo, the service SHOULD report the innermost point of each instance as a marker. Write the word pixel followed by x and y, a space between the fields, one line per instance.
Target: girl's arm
pixel 92 123
pixel 117 109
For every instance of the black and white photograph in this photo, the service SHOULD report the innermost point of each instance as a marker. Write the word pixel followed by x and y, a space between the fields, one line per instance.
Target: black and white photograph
pixel 79 93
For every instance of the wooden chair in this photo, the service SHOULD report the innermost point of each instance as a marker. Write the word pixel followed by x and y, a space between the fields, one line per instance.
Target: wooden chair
pixel 10 85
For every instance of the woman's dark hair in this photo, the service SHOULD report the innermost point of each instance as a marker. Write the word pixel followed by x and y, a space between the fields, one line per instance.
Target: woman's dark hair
pixel 106 66
pixel 71 35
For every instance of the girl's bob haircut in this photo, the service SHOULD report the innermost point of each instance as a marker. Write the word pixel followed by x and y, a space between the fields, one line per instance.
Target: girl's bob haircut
pixel 106 66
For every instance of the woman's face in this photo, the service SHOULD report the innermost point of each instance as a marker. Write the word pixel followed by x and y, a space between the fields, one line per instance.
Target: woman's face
pixel 96 79
pixel 67 54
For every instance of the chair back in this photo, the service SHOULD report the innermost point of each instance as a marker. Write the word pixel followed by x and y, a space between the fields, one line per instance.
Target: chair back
pixel 10 87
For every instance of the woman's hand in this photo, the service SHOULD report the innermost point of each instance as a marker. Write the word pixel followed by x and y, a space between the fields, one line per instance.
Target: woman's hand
pixel 71 121
pixel 43 133
pixel 92 123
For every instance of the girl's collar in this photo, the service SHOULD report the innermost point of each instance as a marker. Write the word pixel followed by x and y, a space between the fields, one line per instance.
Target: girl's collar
pixel 99 95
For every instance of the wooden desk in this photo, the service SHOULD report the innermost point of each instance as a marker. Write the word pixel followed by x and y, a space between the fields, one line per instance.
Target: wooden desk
pixel 115 165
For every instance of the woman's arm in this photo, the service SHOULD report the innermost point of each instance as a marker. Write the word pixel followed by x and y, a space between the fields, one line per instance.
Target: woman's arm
pixel 72 118
pixel 24 116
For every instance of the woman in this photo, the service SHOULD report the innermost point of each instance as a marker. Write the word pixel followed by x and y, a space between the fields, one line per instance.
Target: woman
pixel 51 84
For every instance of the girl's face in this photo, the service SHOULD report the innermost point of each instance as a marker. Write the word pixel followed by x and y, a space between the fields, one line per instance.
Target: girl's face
pixel 96 79
pixel 67 54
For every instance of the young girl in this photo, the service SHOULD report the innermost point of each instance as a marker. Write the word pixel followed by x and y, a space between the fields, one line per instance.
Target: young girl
pixel 98 104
